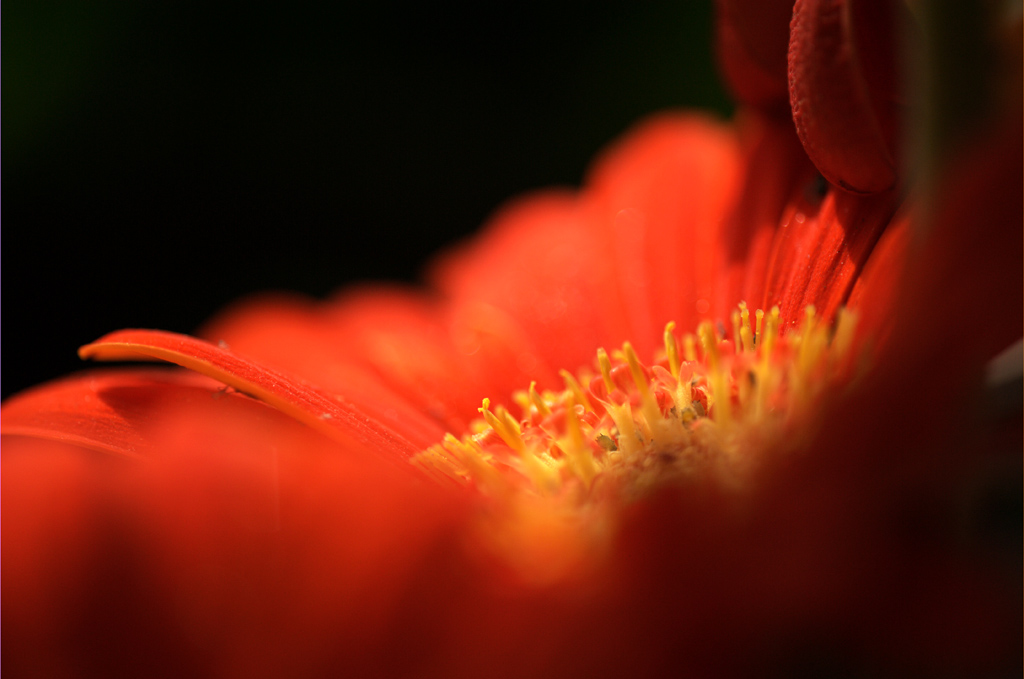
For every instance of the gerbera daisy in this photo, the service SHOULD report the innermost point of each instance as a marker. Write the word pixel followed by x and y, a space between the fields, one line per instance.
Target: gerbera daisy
pixel 722 411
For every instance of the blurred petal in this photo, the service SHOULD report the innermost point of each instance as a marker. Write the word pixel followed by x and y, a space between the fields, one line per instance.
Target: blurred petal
pixel 618 262
pixel 661 198
pixel 249 548
pixel 533 279
pixel 753 39
pixel 961 301
pixel 447 355
pixel 101 410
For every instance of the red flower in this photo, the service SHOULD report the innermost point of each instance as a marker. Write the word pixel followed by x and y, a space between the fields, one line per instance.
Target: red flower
pixel 788 494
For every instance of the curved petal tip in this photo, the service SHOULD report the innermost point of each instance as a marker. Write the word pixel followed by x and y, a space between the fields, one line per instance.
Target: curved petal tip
pixel 840 90
pixel 321 411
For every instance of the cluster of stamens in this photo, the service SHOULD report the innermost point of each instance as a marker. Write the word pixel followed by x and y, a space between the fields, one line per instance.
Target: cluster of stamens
pixel 706 404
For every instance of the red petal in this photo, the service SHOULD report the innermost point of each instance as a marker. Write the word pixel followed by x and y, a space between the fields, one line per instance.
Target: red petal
pixel 328 414
pixel 530 292
pixel 660 199
pixel 876 291
pixel 297 336
pixel 841 122
pixel 390 351
pixel 630 255
pixel 753 39
pixel 247 550
pixel 424 349
pixel 963 284
pixel 817 257
pixel 777 174
pixel 108 411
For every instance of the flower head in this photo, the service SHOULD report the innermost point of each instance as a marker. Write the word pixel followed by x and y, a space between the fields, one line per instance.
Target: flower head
pixel 711 414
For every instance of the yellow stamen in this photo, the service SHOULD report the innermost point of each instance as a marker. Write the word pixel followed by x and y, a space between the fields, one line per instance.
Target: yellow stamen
pixel 709 343
pixel 629 437
pixel 716 375
pixel 689 350
pixel 745 335
pixel 810 343
pixel 577 391
pixel 747 338
pixel 542 476
pixel 468 453
pixel 635 370
pixel 846 327
pixel 648 402
pixel 605 364
pixel 672 349
pixel 522 399
pixel 537 401
pixel 504 425
pixel 713 411
pixel 575 446
pixel 771 332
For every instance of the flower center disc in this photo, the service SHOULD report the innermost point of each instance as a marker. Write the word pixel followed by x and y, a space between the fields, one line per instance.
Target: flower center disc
pixel 625 428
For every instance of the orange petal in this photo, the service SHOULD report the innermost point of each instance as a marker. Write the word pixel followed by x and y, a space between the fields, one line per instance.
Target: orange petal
pixel 306 404
pixel 294 335
pixel 529 294
pixel 428 350
pixel 659 201
pixel 616 263
pixel 391 351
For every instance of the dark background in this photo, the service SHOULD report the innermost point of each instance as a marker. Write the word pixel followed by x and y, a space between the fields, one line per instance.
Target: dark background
pixel 163 159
